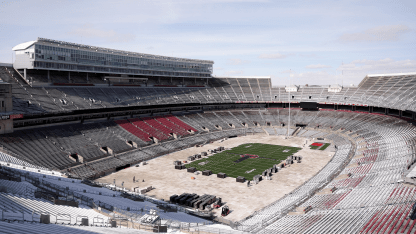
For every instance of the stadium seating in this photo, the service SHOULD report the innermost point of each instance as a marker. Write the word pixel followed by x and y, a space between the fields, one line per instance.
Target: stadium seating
pixel 179 123
pixel 388 91
pixel 385 159
pixel 373 150
pixel 133 129
pixel 355 195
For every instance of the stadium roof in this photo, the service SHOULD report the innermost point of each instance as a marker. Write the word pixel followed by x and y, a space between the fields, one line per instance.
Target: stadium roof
pixel 393 74
pixel 249 77
pixel 25 45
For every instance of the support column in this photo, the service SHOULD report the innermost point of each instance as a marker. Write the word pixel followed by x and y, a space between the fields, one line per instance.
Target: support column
pixel 69 77
pixel 370 109
pixel 87 77
pixel 49 77
pixel 400 113
pixel 24 73
pixel 386 111
pixel 183 81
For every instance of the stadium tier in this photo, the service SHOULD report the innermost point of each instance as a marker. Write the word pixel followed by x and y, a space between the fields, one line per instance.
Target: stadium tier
pixel 373 153
pixel 81 113
pixel 395 91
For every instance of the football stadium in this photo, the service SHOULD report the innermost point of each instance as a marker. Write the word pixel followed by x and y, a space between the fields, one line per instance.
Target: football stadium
pixel 101 140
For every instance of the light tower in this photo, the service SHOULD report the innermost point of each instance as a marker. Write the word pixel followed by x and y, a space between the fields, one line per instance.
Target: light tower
pixel 290 84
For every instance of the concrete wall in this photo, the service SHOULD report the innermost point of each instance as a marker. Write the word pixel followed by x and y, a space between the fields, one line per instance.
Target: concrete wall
pixel 23 61
pixel 6 105
pixel 6 126
pixel 6 98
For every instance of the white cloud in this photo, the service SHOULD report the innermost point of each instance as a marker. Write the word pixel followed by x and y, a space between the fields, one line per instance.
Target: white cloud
pixel 226 1
pixel 237 62
pixel 355 71
pixel 233 73
pixel 386 65
pixel 308 55
pixel 311 78
pixel 88 31
pixel 349 73
pixel 381 33
pixel 274 56
pixel 317 66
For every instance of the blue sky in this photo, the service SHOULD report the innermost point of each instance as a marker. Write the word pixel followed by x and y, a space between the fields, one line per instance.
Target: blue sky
pixel 318 42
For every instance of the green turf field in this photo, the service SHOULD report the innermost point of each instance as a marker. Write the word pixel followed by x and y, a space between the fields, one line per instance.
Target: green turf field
pixel 324 146
pixel 224 161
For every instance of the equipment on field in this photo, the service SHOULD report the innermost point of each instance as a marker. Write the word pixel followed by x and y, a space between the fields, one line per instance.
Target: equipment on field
pixel 180 167
pixel 173 198
pixel 275 168
pixel 257 178
pixel 191 169
pixel 221 175
pixel 217 203
pixel 225 211
pixel 207 173
pixel 240 179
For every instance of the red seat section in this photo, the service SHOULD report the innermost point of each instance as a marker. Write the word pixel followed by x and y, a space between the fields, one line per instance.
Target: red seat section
pixel 157 126
pixel 133 129
pixel 179 122
pixel 173 127
pixel 149 129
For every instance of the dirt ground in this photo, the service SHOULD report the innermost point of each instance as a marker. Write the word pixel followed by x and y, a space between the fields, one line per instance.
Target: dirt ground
pixel 242 200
